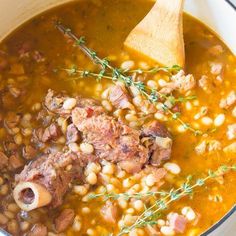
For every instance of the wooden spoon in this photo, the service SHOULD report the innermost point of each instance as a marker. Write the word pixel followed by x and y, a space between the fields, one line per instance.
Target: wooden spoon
pixel 160 34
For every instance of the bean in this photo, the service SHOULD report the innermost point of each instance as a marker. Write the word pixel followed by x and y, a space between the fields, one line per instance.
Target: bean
pixel 91 178
pixel 9 214
pixel 127 65
pixel 77 225
pixel 122 203
pixel 3 219
pixel 188 213
pixel 74 147
pixel 152 84
pixel 107 105
pixel 85 210
pixel 219 120
pixel 24 225
pixel 108 169
pixel 13 227
pixel 90 232
pixel 168 231
pixel 36 107
pixel 172 168
pixel 138 205
pixel 80 189
pixel 13 207
pixel 86 148
pixel 93 167
pixel 69 103
pixel 18 139
pixel 4 189
pixel 150 180
pixel 131 117
pixel 127 183
pixel 206 120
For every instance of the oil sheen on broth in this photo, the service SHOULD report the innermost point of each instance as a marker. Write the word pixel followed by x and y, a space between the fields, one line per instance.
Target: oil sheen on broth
pixel 105 24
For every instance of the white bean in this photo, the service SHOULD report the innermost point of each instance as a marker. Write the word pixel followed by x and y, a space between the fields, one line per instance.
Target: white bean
pixel 219 120
pixel 127 65
pixel 80 189
pixel 86 148
pixel 206 120
pixel 108 169
pixel 107 105
pixel 168 231
pixel 138 205
pixel 189 213
pixel 150 180
pixel 172 168
pixel 69 103
pixel 91 178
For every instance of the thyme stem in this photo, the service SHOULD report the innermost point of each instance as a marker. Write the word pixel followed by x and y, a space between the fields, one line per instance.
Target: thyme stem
pixel 151 94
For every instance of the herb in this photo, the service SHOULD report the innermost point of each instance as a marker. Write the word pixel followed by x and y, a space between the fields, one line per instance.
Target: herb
pixel 162 198
pixel 152 95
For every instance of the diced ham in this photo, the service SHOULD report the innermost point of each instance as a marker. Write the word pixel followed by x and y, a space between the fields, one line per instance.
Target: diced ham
pixel 231 132
pixel 180 82
pixel 177 222
pixel 38 230
pixel 72 134
pixel 159 141
pixel 64 220
pixel 29 152
pixel 119 97
pixel 216 68
pixel 109 212
pixel 229 100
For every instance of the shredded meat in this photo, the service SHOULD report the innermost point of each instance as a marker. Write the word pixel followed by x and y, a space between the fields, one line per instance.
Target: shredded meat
pixel 228 101
pixel 159 141
pixel 109 212
pixel 50 171
pixel 180 82
pixel 111 139
pixel 119 97
pixel 64 220
pixel 38 230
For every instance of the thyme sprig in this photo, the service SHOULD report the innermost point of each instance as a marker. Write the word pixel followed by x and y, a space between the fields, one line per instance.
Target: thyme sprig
pixel 162 198
pixel 152 95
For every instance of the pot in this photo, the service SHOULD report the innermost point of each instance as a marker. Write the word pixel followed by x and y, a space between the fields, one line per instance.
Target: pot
pixel 218 15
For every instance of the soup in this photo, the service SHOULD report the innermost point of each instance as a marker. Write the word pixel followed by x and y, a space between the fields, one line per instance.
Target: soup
pixel 87 149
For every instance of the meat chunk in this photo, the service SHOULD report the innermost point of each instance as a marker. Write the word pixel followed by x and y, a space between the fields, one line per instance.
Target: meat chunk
pixel 29 152
pixel 15 161
pixel 64 220
pixel 177 222
pixel 231 132
pixel 51 132
pixel 72 134
pixel 111 139
pixel 3 160
pixel 180 82
pixel 229 100
pixel 109 212
pixel 50 171
pixel 38 230
pixel 216 68
pixel 159 142
pixel 119 97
